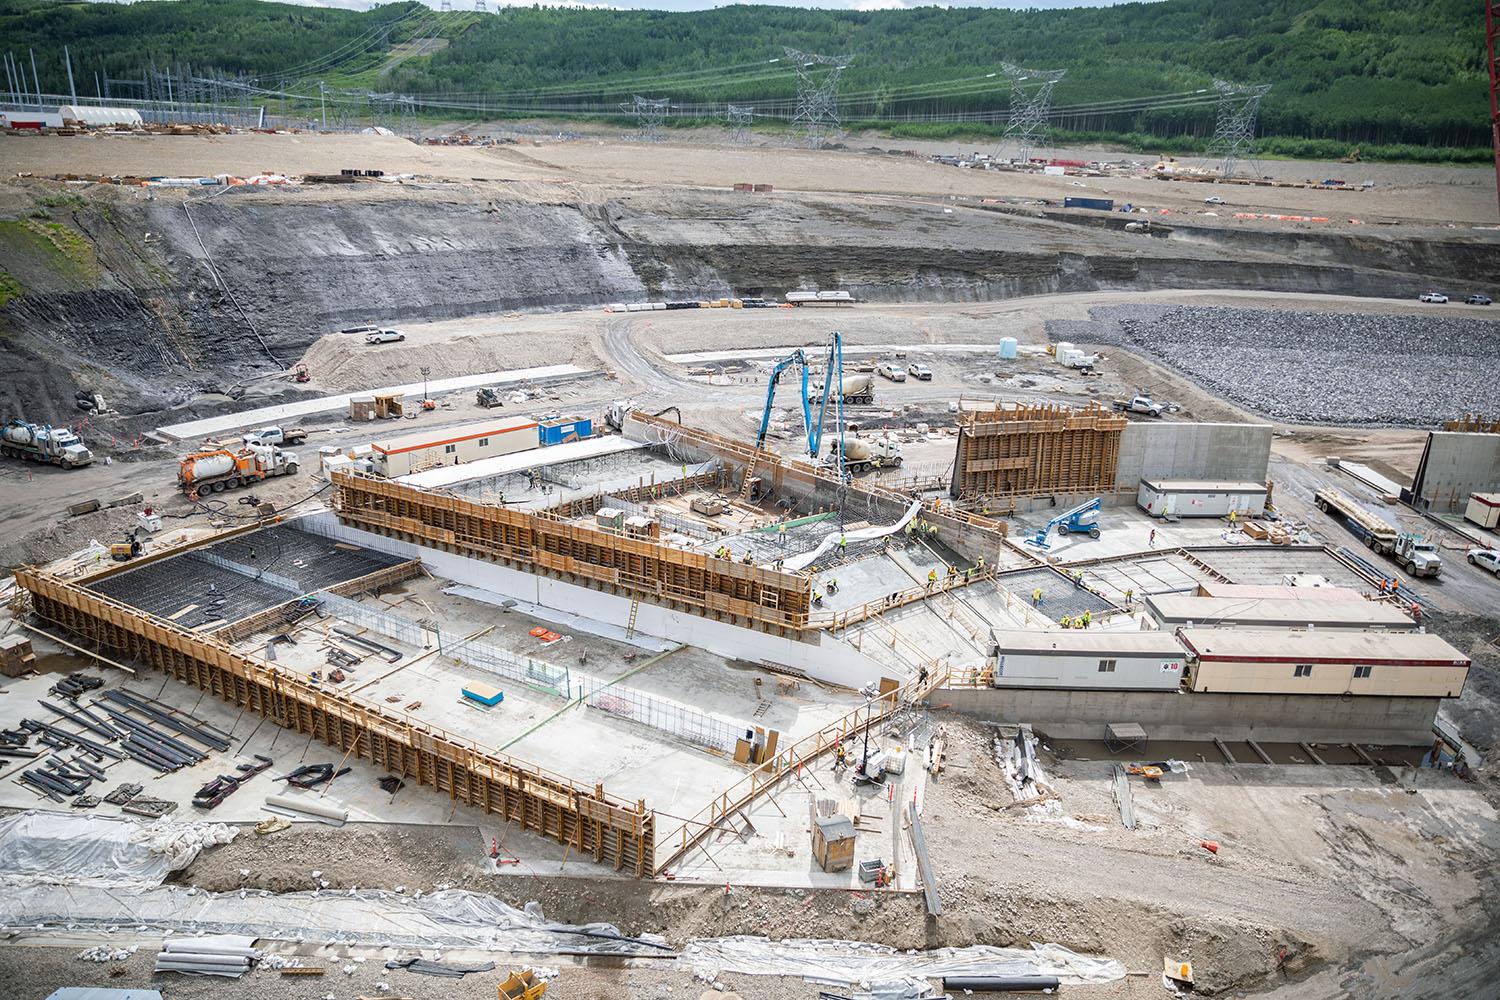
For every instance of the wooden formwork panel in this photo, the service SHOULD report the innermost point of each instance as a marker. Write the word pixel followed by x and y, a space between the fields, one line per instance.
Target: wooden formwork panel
pixel 1033 450
pixel 613 832
pixel 543 542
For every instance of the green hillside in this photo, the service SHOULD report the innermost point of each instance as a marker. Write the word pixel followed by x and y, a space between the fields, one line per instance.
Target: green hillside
pixel 1379 72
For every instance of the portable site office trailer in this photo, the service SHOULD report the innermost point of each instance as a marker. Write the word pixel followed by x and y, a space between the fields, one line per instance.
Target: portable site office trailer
pixel 1387 664
pixel 1173 611
pixel 410 453
pixel 1201 498
pixel 1483 509
pixel 1085 659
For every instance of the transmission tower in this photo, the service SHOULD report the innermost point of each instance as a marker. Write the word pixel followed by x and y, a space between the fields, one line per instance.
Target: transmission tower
pixel 739 118
pixel 817 94
pixel 649 113
pixel 1030 104
pixel 479 6
pixel 1234 130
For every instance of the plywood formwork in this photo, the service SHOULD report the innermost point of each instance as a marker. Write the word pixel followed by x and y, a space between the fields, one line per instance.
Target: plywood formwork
pixel 1030 450
pixel 593 824
pixel 542 542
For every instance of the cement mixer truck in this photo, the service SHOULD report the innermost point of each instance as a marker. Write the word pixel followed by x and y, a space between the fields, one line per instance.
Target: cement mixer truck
pixel 856 390
pixel 860 455
pixel 221 469
pixel 56 445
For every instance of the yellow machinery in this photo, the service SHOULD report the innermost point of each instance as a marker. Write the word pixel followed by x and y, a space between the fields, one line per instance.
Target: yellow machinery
pixel 521 985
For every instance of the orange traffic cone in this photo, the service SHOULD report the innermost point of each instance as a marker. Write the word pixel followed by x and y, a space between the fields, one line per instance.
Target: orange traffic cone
pixel 494 847
pixel 1211 846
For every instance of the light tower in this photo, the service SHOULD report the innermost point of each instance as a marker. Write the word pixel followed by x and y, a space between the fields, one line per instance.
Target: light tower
pixel 1234 129
pixel 739 117
pixel 649 113
pixel 1030 104
pixel 817 94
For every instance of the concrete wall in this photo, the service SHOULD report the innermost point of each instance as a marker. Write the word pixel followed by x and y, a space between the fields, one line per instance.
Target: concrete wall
pixel 1082 715
pixel 1163 450
pixel 1455 464
pixel 830 660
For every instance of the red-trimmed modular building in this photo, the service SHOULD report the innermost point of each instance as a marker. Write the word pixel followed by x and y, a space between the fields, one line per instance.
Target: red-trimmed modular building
pixel 410 453
pixel 1358 664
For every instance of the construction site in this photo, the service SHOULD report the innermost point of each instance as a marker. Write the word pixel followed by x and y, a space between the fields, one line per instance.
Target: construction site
pixel 690 569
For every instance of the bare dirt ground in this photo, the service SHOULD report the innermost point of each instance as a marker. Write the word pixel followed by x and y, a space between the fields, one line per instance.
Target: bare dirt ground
pixel 1409 193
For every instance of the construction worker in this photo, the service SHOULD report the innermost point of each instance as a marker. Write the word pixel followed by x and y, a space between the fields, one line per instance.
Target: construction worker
pixel 1383 584
pixel 1153 538
pixel 817 599
pixel 980 564
pixel 1077 579
pixel 781 531
pixel 840 758
pixel 952 572
pixel 1088 618
pixel 1129 593
pixel 1036 597
pixel 843 543
pixel 1066 622
pixel 747 560
pixel 931 578
pixel 1231 520
pixel 833 585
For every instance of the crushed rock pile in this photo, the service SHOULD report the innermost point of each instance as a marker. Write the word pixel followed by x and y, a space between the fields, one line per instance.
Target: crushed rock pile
pixel 1311 367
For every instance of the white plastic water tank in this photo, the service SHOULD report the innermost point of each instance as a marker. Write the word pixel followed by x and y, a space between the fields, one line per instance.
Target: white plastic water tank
pixel 1008 347
pixel 1062 349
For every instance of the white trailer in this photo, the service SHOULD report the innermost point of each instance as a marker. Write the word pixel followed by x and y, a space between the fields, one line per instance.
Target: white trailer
pixel 1083 659
pixel 1483 510
pixel 410 453
pixel 1201 498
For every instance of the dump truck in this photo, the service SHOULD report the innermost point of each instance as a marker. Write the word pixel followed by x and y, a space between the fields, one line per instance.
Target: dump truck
pixel 859 454
pixel 222 469
pixel 1378 534
pixel 34 442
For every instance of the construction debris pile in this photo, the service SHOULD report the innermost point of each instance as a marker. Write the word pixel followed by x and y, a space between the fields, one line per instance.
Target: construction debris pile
pixel 1314 367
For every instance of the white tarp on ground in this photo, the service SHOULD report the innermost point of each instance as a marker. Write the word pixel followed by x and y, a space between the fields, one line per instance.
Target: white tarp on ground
pixel 862 535
pixel 245 419
pixel 99 850
pixel 450 919
pixel 856 962
pixel 456 918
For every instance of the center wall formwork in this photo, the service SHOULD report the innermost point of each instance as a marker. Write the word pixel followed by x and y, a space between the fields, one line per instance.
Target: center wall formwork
pixel 541 542
pixel 1029 450
pixel 611 831
pixel 1455 464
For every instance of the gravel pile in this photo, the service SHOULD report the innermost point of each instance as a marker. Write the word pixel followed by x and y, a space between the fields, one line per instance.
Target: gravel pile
pixel 1315 367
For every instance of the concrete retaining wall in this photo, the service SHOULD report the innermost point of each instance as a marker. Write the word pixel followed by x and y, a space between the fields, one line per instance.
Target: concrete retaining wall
pixel 1160 450
pixel 829 660
pixel 1455 464
pixel 1168 715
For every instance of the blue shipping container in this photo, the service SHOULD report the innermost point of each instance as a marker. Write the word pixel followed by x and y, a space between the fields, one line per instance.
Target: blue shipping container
pixel 1102 204
pixel 564 430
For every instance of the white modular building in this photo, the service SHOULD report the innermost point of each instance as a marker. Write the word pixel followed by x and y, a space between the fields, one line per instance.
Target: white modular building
pixel 1084 659
pixel 1201 498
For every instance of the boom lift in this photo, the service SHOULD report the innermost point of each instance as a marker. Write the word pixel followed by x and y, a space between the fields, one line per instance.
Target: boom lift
pixel 1084 517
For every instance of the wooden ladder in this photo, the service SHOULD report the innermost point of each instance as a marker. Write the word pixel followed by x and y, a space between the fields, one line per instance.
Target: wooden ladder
pixel 749 477
pixel 635 607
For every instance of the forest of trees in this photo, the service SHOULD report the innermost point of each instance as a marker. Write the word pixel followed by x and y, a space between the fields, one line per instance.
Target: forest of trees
pixel 1378 72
